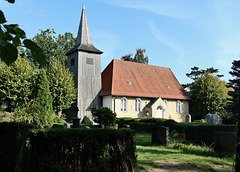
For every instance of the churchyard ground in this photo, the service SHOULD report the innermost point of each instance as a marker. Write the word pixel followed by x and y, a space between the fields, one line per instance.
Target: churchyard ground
pixel 167 158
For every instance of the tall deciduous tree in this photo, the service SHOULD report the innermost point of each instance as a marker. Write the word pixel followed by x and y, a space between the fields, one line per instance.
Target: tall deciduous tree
pixel 54 47
pixel 139 57
pixel 61 85
pixel 17 83
pixel 208 93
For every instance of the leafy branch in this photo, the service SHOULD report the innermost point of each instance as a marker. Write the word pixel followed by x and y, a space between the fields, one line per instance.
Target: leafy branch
pixel 11 37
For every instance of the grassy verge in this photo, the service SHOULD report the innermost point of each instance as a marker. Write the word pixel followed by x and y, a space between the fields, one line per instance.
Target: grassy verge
pixel 203 158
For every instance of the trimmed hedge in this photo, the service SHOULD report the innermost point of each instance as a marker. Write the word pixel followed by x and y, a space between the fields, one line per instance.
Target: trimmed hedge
pixel 123 121
pixel 142 126
pixel 158 121
pixel 198 133
pixel 12 136
pixel 79 150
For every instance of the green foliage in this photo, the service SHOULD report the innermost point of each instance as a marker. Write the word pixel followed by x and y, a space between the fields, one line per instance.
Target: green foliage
pixel 233 84
pixel 75 149
pixel 17 83
pixel 139 57
pixel 105 116
pixel 44 115
pixel 86 121
pixel 198 133
pixel 157 121
pixel 142 126
pixel 125 120
pixel 12 137
pixel 209 95
pixel 54 47
pixel 61 85
pixel 11 37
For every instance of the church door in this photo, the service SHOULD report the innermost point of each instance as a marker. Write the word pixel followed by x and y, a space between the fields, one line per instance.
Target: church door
pixel 160 112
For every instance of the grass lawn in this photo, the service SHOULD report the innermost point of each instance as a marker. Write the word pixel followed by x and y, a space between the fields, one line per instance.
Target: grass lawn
pixel 201 157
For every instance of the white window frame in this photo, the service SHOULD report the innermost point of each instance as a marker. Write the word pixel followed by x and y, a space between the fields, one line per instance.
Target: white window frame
pixel 179 106
pixel 124 104
pixel 138 105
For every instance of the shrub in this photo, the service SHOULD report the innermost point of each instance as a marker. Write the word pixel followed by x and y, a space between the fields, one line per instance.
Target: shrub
pixel 12 135
pixel 80 150
pixel 86 121
pixel 105 116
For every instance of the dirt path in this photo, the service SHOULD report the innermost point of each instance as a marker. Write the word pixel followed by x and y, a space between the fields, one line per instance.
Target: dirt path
pixel 174 166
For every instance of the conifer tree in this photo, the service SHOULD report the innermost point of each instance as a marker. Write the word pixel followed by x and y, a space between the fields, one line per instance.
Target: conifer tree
pixel 139 57
pixel 44 116
pixel 234 85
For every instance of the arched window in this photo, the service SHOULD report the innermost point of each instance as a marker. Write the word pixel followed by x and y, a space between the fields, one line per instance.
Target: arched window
pixel 124 104
pixel 179 106
pixel 166 102
pixel 138 105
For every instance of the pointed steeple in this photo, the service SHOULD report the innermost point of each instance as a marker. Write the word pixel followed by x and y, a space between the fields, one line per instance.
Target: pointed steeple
pixel 83 31
pixel 84 42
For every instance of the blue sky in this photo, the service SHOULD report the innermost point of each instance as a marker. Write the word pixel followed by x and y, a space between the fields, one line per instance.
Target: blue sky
pixel 178 34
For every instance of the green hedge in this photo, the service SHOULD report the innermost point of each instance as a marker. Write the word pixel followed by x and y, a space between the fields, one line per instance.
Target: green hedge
pixel 79 150
pixel 12 136
pixel 198 133
pixel 142 126
pixel 123 121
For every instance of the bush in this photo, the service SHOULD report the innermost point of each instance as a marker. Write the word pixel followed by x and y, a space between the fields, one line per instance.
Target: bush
pixel 86 121
pixel 105 116
pixel 12 136
pixel 80 150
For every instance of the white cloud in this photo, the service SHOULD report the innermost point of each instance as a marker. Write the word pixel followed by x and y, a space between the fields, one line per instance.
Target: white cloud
pixel 169 42
pixel 176 9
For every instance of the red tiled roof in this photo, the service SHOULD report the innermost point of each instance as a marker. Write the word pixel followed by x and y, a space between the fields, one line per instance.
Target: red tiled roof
pixel 125 78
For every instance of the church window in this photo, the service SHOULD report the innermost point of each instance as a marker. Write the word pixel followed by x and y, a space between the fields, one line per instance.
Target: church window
pixel 138 105
pixel 166 102
pixel 179 106
pixel 72 61
pixel 124 104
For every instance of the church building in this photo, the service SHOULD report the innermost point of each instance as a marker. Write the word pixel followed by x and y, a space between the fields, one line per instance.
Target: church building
pixel 130 89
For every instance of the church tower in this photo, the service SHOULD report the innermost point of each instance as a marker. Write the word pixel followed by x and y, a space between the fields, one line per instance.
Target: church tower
pixel 84 61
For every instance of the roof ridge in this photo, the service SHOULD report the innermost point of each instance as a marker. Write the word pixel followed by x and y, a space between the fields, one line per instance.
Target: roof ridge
pixel 140 63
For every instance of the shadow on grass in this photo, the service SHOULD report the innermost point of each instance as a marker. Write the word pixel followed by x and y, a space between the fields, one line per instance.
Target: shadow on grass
pixel 144 165
pixel 201 151
pixel 151 150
